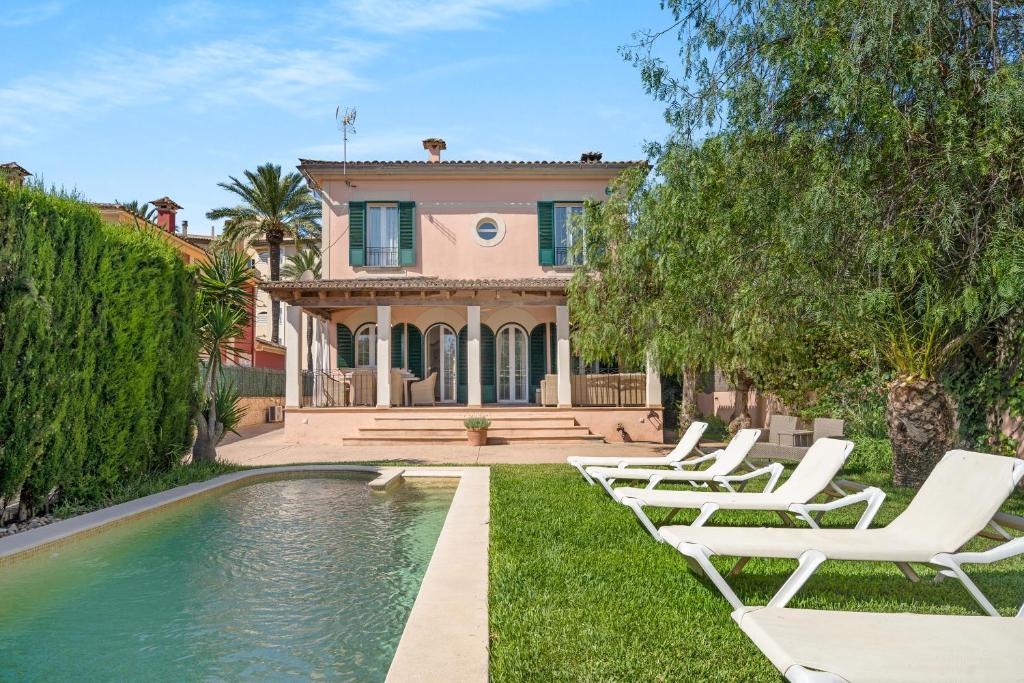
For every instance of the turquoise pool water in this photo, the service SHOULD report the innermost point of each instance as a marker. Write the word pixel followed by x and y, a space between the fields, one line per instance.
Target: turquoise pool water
pixel 309 579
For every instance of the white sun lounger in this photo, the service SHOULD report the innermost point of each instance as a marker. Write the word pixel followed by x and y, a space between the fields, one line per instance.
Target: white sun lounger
pixel 810 477
pixel 718 474
pixel 957 501
pixel 819 646
pixel 687 444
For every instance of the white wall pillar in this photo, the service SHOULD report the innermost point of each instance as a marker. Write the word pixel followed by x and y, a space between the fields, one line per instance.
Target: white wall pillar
pixel 293 358
pixel 653 383
pixel 383 356
pixel 564 356
pixel 474 388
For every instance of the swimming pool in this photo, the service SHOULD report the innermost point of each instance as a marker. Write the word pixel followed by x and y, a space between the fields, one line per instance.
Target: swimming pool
pixel 311 578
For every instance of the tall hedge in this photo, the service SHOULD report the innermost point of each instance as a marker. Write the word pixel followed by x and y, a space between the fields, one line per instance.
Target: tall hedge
pixel 97 350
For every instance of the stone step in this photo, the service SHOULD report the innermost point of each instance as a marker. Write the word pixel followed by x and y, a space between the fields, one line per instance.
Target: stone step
pixel 532 431
pixel 456 422
pixel 441 440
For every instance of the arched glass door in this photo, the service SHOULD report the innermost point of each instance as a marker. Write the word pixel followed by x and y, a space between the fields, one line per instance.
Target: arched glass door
pixel 442 357
pixel 513 374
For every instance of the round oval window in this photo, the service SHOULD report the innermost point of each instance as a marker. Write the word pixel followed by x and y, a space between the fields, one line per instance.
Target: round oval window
pixel 487 230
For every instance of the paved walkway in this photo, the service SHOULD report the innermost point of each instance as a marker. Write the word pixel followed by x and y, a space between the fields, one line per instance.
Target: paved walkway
pixel 265 445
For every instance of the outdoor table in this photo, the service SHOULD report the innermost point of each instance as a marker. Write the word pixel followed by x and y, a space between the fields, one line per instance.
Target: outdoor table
pixel 407 379
pixel 796 437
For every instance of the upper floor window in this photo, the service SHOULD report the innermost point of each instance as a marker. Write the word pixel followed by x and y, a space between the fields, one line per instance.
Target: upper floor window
pixel 564 231
pixel 264 257
pixel 382 235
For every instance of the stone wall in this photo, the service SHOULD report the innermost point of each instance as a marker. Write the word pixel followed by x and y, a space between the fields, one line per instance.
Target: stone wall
pixel 256 409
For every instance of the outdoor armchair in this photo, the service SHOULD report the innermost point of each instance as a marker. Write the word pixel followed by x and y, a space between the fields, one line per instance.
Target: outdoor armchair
pixel 720 473
pixel 687 444
pixel 956 502
pixel 422 392
pixel 812 476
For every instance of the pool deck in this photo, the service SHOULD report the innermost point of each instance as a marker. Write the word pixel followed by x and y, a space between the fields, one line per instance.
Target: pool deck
pixel 264 446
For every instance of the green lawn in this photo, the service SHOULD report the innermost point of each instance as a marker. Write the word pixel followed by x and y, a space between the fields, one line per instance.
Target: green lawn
pixel 579 592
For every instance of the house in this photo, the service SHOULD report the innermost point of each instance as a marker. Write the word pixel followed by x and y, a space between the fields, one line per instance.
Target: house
pixel 444 283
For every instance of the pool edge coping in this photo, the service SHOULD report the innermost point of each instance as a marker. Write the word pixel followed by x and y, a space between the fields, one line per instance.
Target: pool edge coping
pixel 433 646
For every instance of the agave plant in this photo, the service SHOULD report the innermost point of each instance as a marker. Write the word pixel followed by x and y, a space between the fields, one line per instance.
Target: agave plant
pixel 223 300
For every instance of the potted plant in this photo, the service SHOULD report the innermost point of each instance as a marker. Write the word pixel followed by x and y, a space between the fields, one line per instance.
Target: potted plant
pixel 476 430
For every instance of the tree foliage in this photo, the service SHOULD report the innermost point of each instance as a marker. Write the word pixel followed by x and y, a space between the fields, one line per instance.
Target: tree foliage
pixel 273 206
pixel 843 186
pixel 97 350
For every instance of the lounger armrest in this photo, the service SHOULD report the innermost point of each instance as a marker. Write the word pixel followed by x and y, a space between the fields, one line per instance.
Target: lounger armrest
pixel 774 471
pixel 687 464
pixel 1000 552
pixel 873 496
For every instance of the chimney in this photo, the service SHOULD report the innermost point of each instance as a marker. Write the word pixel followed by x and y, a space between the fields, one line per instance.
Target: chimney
pixel 184 228
pixel 14 173
pixel 166 209
pixel 434 146
pixel 591 157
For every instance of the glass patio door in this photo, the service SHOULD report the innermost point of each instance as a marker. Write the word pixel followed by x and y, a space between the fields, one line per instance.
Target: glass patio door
pixel 512 368
pixel 442 358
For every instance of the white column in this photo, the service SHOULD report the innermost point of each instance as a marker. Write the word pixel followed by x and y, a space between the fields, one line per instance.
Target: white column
pixel 383 356
pixel 294 351
pixel 564 356
pixel 653 383
pixel 475 390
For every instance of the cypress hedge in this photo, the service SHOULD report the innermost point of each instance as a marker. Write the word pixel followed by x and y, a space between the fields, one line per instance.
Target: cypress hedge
pixel 97 351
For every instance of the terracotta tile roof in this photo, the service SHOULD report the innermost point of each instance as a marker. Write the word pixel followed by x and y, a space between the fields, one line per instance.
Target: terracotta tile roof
pixel 356 165
pixel 12 166
pixel 384 283
pixel 166 203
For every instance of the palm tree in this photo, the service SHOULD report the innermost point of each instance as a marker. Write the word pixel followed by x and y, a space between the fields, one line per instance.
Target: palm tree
pixel 223 301
pixel 143 210
pixel 273 207
pixel 307 260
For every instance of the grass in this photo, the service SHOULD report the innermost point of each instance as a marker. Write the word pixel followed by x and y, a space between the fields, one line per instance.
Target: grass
pixel 579 592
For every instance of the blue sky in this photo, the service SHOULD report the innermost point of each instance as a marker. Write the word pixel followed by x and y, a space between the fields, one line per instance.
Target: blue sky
pixel 127 100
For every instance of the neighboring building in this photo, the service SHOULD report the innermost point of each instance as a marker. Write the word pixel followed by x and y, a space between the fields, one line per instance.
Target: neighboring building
pixel 14 173
pixel 165 225
pixel 260 251
pixel 454 272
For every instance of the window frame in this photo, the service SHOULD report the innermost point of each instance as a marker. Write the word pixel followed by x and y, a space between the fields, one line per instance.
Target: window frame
pixel 393 259
pixel 371 351
pixel 562 248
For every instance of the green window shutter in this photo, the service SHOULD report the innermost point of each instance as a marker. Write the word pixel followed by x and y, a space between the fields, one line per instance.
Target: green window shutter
pixel 488 369
pixel 553 330
pixel 357 233
pixel 462 367
pixel 546 233
pixel 397 339
pixel 538 364
pixel 407 233
pixel 414 338
pixel 346 349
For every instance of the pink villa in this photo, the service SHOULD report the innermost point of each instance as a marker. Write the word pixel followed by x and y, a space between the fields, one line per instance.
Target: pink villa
pixel 443 296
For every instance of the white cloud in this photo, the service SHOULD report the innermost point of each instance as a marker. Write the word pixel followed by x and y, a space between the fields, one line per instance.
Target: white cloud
pixel 19 14
pixel 404 16
pixel 221 73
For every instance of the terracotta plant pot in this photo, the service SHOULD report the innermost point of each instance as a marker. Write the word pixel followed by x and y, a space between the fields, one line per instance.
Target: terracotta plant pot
pixel 476 437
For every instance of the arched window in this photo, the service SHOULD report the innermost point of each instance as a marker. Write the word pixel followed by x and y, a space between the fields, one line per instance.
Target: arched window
pixel 366 346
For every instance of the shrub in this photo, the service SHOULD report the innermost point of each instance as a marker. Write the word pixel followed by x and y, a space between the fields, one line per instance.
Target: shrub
pixel 97 350
pixel 476 422
pixel 870 455
pixel 718 429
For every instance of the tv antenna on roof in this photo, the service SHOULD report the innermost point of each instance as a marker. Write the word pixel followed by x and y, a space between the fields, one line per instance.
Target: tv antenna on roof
pixel 346 119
